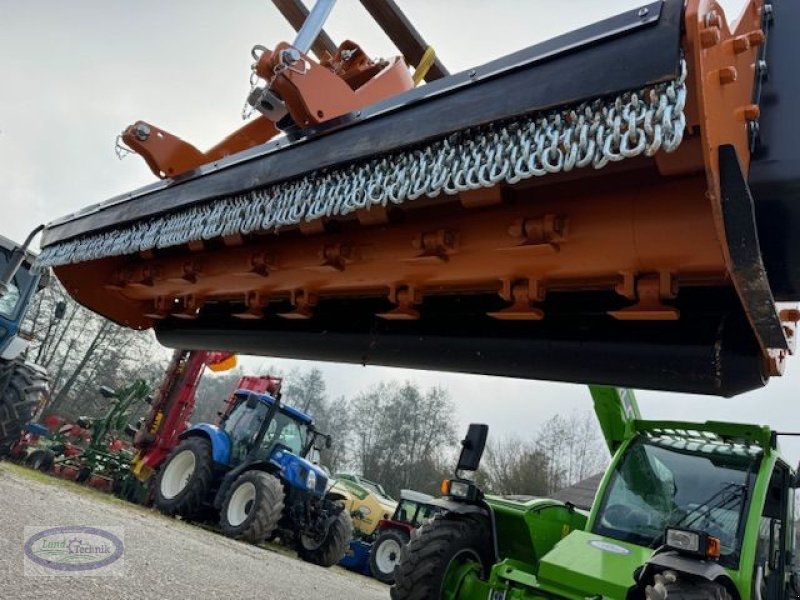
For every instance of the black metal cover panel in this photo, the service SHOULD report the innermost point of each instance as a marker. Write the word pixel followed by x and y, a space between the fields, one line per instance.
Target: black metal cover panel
pixel 775 168
pixel 635 49
pixel 705 352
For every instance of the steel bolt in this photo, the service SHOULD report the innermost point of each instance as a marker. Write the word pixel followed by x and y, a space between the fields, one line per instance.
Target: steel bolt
pixel 290 56
pixel 728 75
pixel 142 132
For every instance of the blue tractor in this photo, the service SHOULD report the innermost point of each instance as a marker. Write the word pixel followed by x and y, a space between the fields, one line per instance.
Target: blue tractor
pixel 253 472
pixel 22 383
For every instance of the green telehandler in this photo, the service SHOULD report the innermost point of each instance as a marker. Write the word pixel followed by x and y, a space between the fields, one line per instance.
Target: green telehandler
pixel 684 510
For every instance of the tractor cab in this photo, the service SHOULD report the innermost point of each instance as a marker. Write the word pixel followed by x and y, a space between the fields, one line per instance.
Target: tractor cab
pixel 15 295
pixel 414 509
pixel 255 423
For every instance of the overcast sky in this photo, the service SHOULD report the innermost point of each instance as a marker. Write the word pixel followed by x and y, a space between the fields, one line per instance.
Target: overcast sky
pixel 74 74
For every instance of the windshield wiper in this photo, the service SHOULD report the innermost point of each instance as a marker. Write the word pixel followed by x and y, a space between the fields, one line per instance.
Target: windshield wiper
pixel 734 491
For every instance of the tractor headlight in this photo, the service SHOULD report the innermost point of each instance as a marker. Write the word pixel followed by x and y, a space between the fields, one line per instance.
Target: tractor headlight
pixel 459 489
pixel 680 539
pixel 695 543
pixel 311 481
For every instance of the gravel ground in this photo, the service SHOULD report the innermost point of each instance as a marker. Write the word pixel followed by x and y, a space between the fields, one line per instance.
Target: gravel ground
pixel 165 559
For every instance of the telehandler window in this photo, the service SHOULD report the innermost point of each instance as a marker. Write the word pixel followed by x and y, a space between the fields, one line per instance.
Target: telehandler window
pixel 659 484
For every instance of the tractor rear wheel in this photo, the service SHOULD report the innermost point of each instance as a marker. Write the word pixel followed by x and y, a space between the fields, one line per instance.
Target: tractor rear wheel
pixel 253 507
pixel 21 387
pixel 385 554
pixel 670 585
pixel 440 554
pixel 333 546
pixel 185 478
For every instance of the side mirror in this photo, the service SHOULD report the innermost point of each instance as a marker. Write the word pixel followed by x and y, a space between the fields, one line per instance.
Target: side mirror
pixel 472 447
pixel 60 310
pixel 107 392
pixel 328 442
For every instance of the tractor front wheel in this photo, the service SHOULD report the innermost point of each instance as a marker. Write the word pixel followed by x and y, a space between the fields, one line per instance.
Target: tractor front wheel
pixel 385 554
pixel 253 507
pixel 440 555
pixel 332 548
pixel 185 478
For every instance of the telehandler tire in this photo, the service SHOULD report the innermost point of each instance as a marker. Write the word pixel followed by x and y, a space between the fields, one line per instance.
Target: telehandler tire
pixel 21 386
pixel 333 548
pixel 669 585
pixel 185 478
pixel 253 507
pixel 435 548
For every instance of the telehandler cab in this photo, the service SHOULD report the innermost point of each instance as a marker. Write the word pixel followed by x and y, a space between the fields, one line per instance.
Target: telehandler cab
pixel 684 510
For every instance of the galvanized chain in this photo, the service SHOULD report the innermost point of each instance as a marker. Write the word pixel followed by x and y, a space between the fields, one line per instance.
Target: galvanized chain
pixel 593 134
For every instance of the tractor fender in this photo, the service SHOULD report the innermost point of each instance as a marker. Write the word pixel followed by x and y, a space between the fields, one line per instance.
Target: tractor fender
pixel 15 347
pixel 454 507
pixel 460 508
pixel 220 442
pixel 385 524
pixel 703 569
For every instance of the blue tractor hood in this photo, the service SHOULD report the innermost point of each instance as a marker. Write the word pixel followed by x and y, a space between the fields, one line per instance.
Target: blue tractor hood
pixel 296 471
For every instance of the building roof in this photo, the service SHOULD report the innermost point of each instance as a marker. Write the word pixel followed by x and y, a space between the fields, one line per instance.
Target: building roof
pixel 581 494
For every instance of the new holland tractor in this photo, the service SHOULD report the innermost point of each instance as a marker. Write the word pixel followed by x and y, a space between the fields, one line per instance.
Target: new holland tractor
pixel 22 383
pixel 685 510
pixel 253 472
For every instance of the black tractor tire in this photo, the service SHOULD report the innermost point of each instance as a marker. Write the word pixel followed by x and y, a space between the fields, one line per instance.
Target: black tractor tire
pixel 41 460
pixel 22 385
pixel 333 547
pixel 393 537
pixel 425 560
pixel 188 502
pixel 261 512
pixel 671 585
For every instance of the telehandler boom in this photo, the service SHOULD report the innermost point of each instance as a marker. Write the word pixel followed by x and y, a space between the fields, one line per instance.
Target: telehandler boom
pixel 615 205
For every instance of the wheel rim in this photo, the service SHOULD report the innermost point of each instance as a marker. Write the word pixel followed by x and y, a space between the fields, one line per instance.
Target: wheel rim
pixel 177 474
pixel 386 556
pixel 241 503
pixel 464 563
